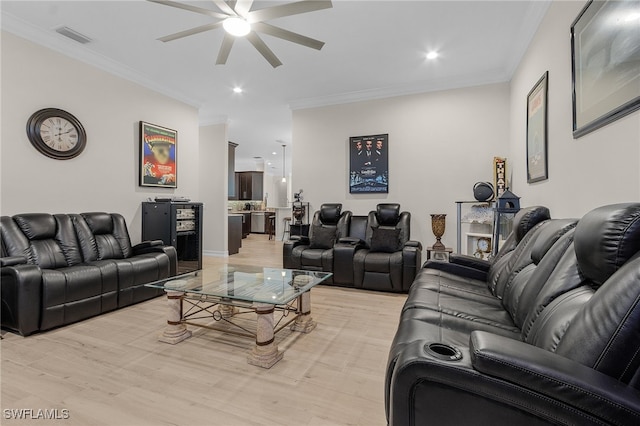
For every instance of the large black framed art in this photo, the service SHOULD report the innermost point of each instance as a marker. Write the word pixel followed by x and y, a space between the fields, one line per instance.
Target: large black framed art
pixel 605 63
pixel 369 164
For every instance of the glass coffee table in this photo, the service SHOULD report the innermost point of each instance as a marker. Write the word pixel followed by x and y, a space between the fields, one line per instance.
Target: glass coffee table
pixel 220 294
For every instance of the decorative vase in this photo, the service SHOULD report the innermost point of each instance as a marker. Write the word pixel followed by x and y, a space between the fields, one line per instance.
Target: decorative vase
pixel 438 222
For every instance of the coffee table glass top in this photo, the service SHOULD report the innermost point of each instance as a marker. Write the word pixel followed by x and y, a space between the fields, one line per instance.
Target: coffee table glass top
pixel 247 283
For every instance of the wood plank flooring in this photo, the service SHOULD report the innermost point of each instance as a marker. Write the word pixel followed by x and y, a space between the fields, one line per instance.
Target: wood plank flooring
pixel 111 370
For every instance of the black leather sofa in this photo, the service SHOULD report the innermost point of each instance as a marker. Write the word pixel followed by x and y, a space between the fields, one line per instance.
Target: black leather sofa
pixel 550 335
pixel 372 252
pixel 59 269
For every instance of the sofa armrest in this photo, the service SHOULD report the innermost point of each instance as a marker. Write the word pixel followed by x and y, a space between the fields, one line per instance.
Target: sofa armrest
pixel 411 243
pixel 470 262
pixel 288 260
pixel 351 241
pixel 146 244
pixel 411 261
pixel 12 261
pixel 154 247
pixel 456 269
pixel 21 288
pixel 556 377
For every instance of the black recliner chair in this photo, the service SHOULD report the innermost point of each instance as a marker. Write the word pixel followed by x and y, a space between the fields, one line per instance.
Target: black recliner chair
pixel 389 261
pixel 315 253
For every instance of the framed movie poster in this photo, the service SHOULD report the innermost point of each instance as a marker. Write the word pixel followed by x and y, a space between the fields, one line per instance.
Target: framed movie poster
pixel 537 168
pixel 605 63
pixel 369 164
pixel 158 156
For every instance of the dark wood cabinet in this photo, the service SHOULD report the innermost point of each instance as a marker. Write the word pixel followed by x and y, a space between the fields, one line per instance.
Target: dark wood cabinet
pixel 232 189
pixel 249 185
pixel 179 225
pixel 246 224
pixel 235 233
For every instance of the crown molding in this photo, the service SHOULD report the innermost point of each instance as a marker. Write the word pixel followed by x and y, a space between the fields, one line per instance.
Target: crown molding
pixel 435 85
pixel 207 119
pixel 58 43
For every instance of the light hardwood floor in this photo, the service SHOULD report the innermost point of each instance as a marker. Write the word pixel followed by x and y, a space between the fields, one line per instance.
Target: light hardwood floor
pixel 111 370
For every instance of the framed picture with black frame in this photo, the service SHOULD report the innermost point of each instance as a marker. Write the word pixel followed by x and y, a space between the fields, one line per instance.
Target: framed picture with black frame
pixel 537 145
pixel 369 164
pixel 158 156
pixel 605 64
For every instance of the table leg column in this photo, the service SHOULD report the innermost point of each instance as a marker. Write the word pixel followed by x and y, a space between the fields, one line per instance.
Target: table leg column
pixel 175 331
pixel 304 323
pixel 265 354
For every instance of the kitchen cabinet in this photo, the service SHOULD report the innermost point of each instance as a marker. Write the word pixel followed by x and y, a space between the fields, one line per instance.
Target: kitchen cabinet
pixel 235 233
pixel 249 185
pixel 232 189
pixel 246 224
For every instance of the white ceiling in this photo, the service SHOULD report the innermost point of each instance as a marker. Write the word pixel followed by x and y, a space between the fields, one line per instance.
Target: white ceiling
pixel 373 49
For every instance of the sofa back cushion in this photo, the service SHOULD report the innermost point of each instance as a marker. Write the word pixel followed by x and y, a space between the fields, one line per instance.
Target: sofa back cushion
pixel 103 236
pixel 46 240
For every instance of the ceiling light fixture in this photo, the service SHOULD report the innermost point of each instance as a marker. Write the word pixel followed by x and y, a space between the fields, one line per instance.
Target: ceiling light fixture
pixel 284 179
pixel 236 26
pixel 274 153
pixel 432 55
pixel 237 90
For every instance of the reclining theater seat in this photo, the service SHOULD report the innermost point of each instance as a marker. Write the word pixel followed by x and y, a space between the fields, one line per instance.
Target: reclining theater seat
pixel 59 269
pixel 104 241
pixel 389 261
pixel 315 253
pixel 571 355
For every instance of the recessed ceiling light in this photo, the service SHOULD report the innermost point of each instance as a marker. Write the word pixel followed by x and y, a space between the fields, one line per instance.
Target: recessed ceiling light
pixel 237 90
pixel 269 163
pixel 274 153
pixel 432 55
pixel 236 26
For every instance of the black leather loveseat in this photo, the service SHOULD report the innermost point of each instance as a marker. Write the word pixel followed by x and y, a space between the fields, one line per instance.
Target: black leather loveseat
pixel 58 269
pixel 373 252
pixel 548 334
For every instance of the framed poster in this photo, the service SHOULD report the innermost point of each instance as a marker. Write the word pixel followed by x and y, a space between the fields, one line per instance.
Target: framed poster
pixel 605 63
pixel 499 175
pixel 537 168
pixel 369 164
pixel 158 156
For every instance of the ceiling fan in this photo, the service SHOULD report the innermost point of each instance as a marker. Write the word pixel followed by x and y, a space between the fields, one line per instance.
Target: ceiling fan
pixel 238 20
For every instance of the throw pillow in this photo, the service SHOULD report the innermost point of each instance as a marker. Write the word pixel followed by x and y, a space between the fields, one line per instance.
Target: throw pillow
pixel 385 240
pixel 322 238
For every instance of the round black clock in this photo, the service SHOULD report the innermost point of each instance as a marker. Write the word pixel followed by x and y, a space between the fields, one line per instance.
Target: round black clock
pixel 56 133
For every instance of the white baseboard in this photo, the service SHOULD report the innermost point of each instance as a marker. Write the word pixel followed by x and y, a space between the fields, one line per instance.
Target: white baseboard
pixel 215 253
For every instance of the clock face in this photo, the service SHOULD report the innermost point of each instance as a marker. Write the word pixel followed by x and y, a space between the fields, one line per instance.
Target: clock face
pixel 56 133
pixel 59 134
pixel 483 244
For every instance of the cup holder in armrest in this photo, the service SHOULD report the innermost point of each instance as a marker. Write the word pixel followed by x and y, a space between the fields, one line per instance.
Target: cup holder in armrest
pixel 443 351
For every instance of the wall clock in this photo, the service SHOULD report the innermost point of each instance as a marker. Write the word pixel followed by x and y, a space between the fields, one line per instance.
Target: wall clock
pixel 56 133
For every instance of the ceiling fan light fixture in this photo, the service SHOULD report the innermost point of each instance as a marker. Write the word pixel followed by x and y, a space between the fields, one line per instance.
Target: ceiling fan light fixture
pixel 236 26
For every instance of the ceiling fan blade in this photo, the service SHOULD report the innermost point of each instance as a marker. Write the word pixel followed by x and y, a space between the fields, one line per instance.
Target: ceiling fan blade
pixel 192 31
pixel 287 35
pixel 287 9
pixel 190 8
pixel 263 49
pixel 224 7
pixel 223 54
pixel 242 7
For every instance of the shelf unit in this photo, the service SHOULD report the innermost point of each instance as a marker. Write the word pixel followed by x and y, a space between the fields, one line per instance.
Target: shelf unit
pixel 483 227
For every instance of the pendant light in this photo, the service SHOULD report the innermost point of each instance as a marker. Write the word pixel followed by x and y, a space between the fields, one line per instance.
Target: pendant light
pixel 284 179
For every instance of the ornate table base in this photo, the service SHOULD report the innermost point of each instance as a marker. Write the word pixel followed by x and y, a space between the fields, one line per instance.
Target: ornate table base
pixel 175 331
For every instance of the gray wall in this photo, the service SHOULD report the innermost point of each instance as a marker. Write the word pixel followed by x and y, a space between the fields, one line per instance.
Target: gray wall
pixel 440 144
pixel 599 168
pixel 105 176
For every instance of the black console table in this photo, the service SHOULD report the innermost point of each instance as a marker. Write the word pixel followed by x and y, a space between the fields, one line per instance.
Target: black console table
pixel 178 224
